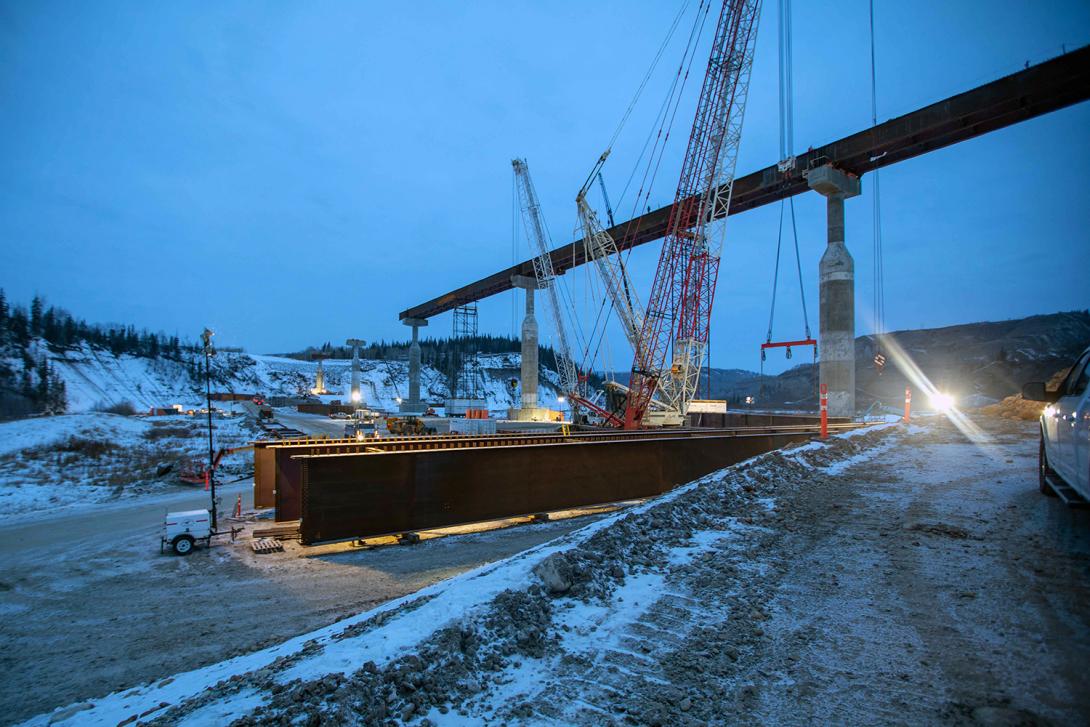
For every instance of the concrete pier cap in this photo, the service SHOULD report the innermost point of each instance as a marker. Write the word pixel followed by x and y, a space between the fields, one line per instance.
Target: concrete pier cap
pixel 830 181
pixel 413 405
pixel 525 282
pixel 836 291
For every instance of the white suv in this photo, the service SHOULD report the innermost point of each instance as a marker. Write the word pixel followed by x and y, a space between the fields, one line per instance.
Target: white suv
pixel 1064 459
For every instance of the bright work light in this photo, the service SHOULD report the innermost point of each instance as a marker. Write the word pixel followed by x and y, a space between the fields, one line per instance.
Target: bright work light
pixel 941 401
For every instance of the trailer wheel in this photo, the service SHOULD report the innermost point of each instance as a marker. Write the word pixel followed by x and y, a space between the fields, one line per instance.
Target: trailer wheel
pixel 182 545
pixel 1044 471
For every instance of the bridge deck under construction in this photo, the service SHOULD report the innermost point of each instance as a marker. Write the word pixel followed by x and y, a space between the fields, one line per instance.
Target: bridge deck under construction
pixel 345 488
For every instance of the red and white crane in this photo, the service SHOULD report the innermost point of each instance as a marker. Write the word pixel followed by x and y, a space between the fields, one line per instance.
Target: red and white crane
pixel 673 335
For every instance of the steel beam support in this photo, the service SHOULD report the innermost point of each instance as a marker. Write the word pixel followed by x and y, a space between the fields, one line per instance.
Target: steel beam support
pixel 836 290
pixel 413 405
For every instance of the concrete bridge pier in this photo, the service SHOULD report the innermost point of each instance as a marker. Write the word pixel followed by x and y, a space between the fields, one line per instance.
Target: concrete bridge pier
pixel 528 405
pixel 413 405
pixel 355 395
pixel 836 293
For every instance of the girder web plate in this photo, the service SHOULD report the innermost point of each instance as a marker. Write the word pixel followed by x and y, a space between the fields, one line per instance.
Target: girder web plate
pixel 354 495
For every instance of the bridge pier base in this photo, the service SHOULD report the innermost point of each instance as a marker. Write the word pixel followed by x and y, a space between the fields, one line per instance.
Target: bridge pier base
pixel 836 292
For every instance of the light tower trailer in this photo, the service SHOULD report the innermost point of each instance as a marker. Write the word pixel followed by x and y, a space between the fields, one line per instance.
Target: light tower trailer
pixel 182 531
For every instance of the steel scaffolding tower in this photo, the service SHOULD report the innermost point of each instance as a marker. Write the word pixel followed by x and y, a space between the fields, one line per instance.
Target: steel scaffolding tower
pixel 466 382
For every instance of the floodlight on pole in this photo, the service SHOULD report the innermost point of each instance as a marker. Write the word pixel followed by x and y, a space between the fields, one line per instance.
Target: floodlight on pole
pixel 209 352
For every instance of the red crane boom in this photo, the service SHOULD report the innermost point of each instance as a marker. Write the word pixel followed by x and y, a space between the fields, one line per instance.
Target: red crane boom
pixel 678 313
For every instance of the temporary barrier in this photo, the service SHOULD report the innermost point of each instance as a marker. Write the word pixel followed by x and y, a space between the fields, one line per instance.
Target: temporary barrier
pixel 824 410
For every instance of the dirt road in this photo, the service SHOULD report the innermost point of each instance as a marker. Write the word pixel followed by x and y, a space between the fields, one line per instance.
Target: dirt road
pixel 943 588
pixel 928 583
pixel 88 605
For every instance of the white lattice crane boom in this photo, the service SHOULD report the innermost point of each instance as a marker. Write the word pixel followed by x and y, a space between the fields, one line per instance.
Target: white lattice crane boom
pixel 545 274
pixel 601 248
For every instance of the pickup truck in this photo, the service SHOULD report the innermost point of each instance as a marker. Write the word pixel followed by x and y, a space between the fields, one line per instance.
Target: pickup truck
pixel 1064 452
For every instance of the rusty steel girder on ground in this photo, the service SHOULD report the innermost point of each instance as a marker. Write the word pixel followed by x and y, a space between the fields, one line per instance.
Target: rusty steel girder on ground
pixel 362 494
pixel 277 477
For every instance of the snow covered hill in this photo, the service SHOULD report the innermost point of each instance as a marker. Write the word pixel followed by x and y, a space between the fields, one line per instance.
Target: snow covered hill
pixel 96 378
pixel 978 362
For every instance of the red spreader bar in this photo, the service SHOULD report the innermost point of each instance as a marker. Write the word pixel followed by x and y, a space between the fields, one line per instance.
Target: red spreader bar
pixel 788 344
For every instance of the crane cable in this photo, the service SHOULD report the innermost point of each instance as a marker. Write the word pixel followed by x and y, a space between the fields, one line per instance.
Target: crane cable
pixel 787 144
pixel 879 263
pixel 616 133
pixel 589 340
pixel 647 76
pixel 516 213
pixel 659 133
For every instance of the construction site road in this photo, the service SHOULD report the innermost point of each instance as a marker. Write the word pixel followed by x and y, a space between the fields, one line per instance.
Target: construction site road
pixel 89 605
pixel 314 425
pixel 109 521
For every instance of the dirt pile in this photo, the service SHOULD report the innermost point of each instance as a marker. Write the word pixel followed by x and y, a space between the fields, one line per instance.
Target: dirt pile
pixel 1015 407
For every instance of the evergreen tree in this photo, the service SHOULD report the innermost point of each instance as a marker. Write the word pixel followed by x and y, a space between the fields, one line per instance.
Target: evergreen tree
pixel 51 332
pixel 36 316
pixel 27 386
pixel 17 324
pixel 41 395
pixel 58 395
pixel 69 336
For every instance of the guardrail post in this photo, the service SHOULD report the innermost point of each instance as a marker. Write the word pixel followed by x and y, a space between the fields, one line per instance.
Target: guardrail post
pixel 824 411
pixel 908 403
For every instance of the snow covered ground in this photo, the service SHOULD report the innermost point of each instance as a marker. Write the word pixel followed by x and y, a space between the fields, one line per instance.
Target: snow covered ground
pixel 72 461
pixel 902 575
pixel 48 431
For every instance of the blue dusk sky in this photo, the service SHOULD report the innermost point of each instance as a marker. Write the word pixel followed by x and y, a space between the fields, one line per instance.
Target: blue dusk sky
pixel 295 172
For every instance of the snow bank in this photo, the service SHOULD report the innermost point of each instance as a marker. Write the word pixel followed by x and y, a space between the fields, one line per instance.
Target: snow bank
pixel 85 460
